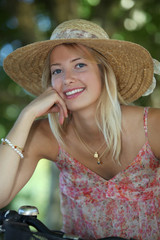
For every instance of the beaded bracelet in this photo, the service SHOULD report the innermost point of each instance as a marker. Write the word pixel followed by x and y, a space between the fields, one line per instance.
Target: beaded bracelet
pixel 15 148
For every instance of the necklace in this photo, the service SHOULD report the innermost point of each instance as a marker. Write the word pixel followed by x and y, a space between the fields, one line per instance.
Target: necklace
pixel 94 154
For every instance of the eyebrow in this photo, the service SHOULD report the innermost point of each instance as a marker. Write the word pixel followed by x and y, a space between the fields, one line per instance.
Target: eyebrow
pixel 58 64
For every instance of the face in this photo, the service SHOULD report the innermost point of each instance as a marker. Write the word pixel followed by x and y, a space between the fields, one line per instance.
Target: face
pixel 75 76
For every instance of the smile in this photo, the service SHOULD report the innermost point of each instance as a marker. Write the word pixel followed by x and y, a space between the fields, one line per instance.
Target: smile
pixel 69 93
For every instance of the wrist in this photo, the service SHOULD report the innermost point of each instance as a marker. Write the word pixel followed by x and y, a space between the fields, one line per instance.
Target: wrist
pixel 26 116
pixel 28 113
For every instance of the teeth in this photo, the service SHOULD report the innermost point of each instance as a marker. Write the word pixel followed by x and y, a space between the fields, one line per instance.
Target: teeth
pixel 74 91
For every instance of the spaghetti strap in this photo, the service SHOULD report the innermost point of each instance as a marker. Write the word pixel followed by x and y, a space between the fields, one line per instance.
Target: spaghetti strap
pixel 145 121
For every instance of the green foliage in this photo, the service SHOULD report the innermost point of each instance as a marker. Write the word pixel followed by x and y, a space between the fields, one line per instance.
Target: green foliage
pixel 26 21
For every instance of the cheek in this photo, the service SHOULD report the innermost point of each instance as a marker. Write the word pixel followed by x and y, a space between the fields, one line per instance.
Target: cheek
pixel 52 82
pixel 96 81
pixel 55 84
pixel 99 80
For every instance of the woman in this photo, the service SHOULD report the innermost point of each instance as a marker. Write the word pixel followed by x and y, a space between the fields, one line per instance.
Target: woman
pixel 107 151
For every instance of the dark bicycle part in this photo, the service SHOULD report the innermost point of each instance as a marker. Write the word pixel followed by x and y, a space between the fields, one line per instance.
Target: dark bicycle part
pixel 17 224
pixel 27 216
pixel 9 214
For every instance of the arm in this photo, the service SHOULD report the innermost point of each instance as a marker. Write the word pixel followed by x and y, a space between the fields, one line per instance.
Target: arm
pixel 30 135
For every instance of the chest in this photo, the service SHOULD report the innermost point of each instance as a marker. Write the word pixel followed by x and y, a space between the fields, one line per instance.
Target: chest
pixel 132 141
pixel 108 167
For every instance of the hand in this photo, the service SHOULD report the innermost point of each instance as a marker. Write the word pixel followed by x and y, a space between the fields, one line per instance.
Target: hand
pixel 48 102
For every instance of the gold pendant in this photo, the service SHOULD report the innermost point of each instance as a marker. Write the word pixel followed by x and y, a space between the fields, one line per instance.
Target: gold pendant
pixel 96 155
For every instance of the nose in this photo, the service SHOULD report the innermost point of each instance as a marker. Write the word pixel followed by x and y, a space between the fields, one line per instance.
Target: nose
pixel 69 77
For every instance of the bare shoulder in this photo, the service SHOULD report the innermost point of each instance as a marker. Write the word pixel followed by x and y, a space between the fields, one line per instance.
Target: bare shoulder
pixel 154 115
pixel 132 115
pixel 132 119
pixel 154 130
pixel 133 136
pixel 42 140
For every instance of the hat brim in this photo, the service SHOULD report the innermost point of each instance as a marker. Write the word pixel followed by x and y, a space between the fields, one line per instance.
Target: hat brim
pixel 131 63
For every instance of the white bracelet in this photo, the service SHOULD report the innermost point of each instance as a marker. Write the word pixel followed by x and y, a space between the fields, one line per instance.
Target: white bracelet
pixel 15 148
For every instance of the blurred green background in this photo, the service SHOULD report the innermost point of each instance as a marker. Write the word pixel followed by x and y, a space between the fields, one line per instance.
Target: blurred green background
pixel 26 21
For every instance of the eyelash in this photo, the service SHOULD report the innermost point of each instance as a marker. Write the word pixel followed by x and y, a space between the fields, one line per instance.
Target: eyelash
pixel 54 72
pixel 81 64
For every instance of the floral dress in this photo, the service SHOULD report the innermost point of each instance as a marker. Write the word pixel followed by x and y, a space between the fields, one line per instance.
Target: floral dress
pixel 128 205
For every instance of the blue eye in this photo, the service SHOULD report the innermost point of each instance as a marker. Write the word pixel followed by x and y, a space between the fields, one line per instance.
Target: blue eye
pixel 57 71
pixel 80 65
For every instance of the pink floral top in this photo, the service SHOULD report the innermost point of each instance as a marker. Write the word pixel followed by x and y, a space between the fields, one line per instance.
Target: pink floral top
pixel 128 205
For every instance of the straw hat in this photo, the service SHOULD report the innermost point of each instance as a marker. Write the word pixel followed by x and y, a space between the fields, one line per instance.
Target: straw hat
pixel 131 63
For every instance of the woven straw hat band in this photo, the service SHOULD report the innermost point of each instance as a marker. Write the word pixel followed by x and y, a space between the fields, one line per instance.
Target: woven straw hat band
pixel 78 29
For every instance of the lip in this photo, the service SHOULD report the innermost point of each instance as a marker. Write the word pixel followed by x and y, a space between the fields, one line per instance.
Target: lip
pixel 73 93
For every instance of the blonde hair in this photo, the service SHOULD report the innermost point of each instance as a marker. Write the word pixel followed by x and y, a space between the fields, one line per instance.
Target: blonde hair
pixel 108 111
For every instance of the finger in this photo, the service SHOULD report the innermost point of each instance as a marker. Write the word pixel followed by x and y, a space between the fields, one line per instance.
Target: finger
pixel 61 114
pixel 54 108
pixel 58 105
pixel 60 102
pixel 57 108
pixel 61 118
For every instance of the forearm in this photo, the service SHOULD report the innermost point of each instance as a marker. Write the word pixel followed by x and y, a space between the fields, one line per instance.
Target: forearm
pixel 9 158
pixel 14 171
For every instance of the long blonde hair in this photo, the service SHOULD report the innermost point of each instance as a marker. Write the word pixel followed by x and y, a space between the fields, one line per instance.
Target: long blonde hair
pixel 108 111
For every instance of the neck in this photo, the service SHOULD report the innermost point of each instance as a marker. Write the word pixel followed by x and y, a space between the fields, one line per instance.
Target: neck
pixel 86 126
pixel 89 136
